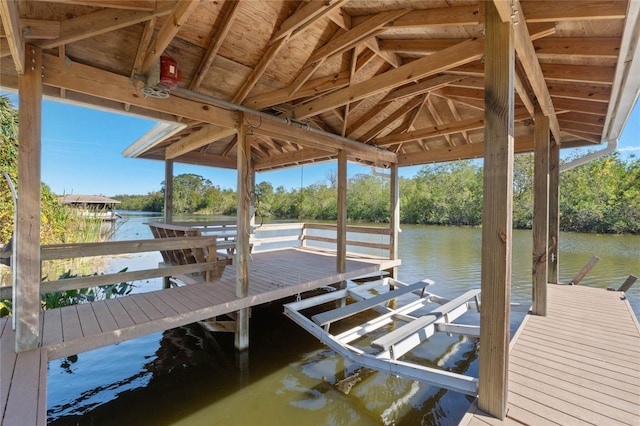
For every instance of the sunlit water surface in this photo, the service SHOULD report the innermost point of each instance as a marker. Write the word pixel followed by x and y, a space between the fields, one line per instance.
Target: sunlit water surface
pixel 189 376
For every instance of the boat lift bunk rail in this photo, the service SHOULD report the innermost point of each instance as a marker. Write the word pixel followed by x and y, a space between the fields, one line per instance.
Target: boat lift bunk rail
pixel 383 353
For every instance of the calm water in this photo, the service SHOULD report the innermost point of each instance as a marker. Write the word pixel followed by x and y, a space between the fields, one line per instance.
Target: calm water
pixel 188 376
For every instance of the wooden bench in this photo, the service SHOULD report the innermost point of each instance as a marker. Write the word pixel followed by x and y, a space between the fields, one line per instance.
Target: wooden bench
pixel 192 255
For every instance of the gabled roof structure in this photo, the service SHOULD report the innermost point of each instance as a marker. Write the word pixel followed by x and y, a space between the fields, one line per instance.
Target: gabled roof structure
pixel 402 79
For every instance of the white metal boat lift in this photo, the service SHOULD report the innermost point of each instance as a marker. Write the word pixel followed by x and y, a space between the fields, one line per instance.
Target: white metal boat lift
pixel 384 353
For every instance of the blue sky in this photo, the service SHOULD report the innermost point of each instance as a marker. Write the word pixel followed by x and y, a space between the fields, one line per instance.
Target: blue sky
pixel 82 154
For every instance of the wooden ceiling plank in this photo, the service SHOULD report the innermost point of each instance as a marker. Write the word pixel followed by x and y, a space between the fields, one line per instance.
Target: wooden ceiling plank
pixel 11 24
pixel 553 11
pixel 230 146
pixel 206 135
pixel 459 54
pixel 426 46
pixel 203 159
pixel 585 136
pixel 593 129
pixel 582 118
pixel 100 22
pixel 598 47
pixel 456 115
pixel 229 14
pixel 579 73
pixel 305 16
pixel 320 141
pixel 179 15
pixel 527 56
pixel 444 16
pixel 424 86
pixel 538 30
pixel 364 119
pixel 355 35
pixel 62 73
pixel 410 119
pixel 4 48
pixel 395 115
pixel 310 88
pixel 147 5
pixel 303 76
pixel 573 91
pixel 265 61
pixel 585 106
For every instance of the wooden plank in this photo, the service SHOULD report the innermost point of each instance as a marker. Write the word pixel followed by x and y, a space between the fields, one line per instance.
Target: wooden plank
pixel 23 399
pixel 172 301
pixel 126 312
pixel 99 22
pixel 147 307
pixel 551 11
pixel 71 328
pixel 468 51
pixel 10 18
pixel 394 216
pixel 51 327
pixel 626 285
pixel 120 4
pixel 305 16
pixel 424 86
pixel 206 135
pixel 333 315
pixel 540 213
pixel 168 190
pixel 243 214
pixel 105 318
pixel 496 214
pixel 7 362
pixel 178 16
pixel 88 321
pixel 26 306
pixel 341 221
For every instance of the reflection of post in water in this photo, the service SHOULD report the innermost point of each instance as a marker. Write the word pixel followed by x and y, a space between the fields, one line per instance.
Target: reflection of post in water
pixel 242 364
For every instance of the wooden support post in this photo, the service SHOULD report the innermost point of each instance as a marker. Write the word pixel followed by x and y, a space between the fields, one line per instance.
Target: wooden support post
pixel 626 285
pixel 245 171
pixel 26 305
pixel 553 263
pixel 496 214
pixel 585 270
pixel 540 212
pixel 168 191
pixel 342 212
pixel 394 216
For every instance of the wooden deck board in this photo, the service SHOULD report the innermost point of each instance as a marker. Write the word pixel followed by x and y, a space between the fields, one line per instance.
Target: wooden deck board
pixel 578 365
pixel 275 275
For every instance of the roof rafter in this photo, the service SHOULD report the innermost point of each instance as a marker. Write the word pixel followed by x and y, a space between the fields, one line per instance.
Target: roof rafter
pixel 170 28
pixel 100 22
pixel 206 135
pixel 147 5
pixel 462 53
pixel 306 16
pixel 15 40
pixel 229 14
pixel 395 115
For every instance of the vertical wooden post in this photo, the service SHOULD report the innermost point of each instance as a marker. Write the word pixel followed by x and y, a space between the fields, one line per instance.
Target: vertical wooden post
pixel 245 171
pixel 554 213
pixel 342 212
pixel 26 305
pixel 394 216
pixel 496 215
pixel 540 212
pixel 168 191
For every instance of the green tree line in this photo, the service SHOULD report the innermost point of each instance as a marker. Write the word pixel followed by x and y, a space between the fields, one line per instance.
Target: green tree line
pixel 601 196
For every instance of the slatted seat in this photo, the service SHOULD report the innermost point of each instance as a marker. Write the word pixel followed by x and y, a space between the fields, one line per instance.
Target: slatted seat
pixel 191 255
pixel 409 329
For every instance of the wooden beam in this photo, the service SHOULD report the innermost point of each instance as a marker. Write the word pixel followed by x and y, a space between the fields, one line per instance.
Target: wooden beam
pixel 592 47
pixel 355 35
pixel 442 130
pixel 553 263
pixel 229 13
pixel 143 45
pixel 245 170
pixel 175 20
pixel 395 115
pixel 579 73
pixel 584 106
pixel 438 17
pixel 394 215
pixel 310 88
pixel 261 67
pixel 540 214
pixel 496 215
pixel 26 305
pixel 299 156
pixel 102 84
pixel 206 135
pixel 425 46
pixel 321 141
pixel 147 5
pixel 168 191
pixel 531 65
pixel 595 93
pixel 37 29
pixel 467 51
pixel 366 117
pixel 11 24
pixel 341 231
pixel 100 22
pixel 554 11
pixel 421 87
pixel 306 16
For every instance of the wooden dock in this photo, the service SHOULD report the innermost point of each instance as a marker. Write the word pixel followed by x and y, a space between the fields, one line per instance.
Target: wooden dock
pixel 578 365
pixel 274 275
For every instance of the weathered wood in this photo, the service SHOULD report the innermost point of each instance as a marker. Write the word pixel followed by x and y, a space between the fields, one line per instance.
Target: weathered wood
pixel 553 260
pixel 341 221
pixel 394 216
pixel 168 190
pixel 10 18
pixel 496 214
pixel 540 213
pixel 626 285
pixel 206 135
pixel 26 306
pixel 585 270
pixel 245 170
